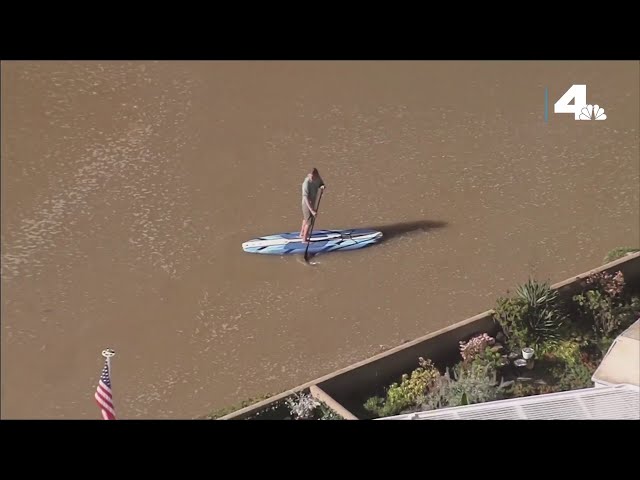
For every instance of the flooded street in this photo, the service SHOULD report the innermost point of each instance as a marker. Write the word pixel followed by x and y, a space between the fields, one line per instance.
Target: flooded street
pixel 129 187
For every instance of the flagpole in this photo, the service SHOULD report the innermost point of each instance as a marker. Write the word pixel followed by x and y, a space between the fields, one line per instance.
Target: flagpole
pixel 108 353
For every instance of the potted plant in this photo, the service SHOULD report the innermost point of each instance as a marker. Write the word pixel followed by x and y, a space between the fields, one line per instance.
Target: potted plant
pixel 527 353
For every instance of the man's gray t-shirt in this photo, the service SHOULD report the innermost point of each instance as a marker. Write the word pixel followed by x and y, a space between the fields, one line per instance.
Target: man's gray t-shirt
pixel 310 189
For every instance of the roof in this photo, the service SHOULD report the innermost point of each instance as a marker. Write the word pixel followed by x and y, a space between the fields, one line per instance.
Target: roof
pixel 620 402
pixel 621 364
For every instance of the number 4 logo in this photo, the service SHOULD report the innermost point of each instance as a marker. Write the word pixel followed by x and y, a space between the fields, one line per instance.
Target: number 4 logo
pixel 580 108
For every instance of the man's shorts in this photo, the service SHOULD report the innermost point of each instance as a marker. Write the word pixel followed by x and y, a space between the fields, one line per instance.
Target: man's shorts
pixel 306 213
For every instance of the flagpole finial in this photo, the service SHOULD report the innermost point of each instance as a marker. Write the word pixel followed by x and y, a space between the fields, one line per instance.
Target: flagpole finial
pixel 108 353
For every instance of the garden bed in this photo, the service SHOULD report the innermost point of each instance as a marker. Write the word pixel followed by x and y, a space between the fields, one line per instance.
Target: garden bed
pixel 546 343
pixel 297 406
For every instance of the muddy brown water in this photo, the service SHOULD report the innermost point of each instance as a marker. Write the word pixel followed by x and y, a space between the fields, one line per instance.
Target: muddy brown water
pixel 128 188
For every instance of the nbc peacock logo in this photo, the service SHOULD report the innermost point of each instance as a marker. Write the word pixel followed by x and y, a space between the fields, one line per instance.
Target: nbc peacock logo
pixel 592 112
pixel 580 108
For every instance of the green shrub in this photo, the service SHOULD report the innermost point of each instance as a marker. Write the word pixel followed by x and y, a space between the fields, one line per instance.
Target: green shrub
pixel 603 344
pixel 520 389
pixel 572 340
pixel 474 387
pixel 438 396
pixel 468 386
pixel 566 372
pixel 400 397
pixel 576 376
pixel 376 405
pixel 567 351
pixel 605 306
pixel 533 317
pixel 327 413
pixel 485 364
pixel 619 252
pixel 598 309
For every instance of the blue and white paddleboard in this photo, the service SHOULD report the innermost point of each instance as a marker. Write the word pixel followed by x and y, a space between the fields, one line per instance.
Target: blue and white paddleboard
pixel 322 241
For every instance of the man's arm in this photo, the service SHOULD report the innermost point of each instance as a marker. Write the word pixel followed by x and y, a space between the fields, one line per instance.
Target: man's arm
pixel 321 189
pixel 305 191
pixel 306 200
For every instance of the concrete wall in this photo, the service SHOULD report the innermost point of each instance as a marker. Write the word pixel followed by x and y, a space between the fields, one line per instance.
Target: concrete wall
pixel 351 386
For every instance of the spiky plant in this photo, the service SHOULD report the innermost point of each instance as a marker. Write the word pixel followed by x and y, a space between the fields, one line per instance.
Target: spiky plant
pixel 533 317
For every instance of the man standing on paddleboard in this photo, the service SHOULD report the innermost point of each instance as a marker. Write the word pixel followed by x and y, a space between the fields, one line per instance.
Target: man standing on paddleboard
pixel 310 186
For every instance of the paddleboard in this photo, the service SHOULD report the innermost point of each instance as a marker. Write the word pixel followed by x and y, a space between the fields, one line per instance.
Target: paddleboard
pixel 322 241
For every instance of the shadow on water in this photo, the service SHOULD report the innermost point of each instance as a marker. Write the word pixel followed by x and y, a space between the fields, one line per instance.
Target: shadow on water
pixel 395 230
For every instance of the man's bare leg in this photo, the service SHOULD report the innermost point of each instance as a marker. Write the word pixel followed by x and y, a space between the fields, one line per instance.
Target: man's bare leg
pixel 305 232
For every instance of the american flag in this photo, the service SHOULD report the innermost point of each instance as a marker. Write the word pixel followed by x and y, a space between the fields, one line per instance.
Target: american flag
pixel 103 395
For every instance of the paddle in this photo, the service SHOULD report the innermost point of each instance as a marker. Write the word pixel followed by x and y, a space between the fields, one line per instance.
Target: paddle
pixel 313 221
